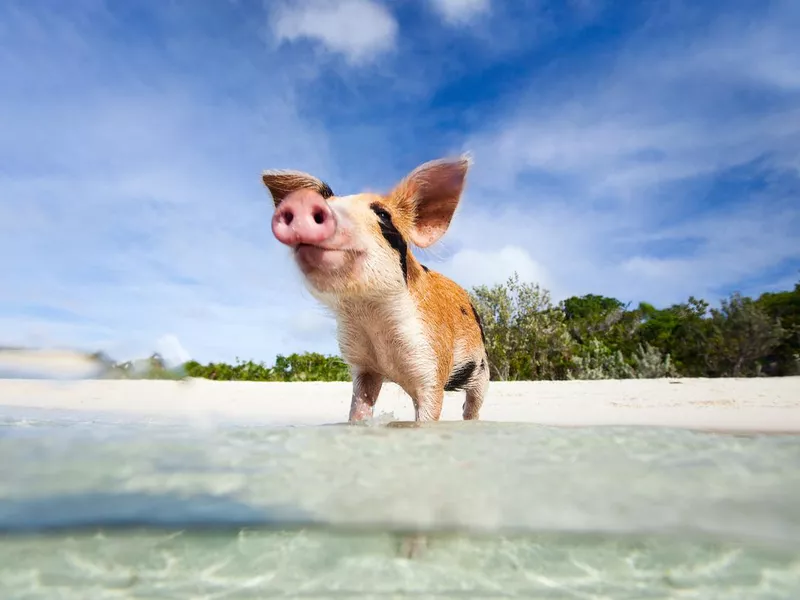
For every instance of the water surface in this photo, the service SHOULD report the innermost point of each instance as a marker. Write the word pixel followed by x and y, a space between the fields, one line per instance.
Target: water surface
pixel 98 508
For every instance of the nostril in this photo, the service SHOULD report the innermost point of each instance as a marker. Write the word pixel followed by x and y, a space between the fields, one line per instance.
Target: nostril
pixel 319 217
pixel 288 217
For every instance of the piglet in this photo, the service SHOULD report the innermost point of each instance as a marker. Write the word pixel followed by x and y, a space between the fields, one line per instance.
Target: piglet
pixel 397 319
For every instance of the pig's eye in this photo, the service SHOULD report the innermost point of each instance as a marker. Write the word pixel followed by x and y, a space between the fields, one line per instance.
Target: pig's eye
pixel 382 213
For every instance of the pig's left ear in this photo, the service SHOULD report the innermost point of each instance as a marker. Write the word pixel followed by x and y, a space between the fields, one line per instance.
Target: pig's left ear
pixel 432 192
pixel 281 183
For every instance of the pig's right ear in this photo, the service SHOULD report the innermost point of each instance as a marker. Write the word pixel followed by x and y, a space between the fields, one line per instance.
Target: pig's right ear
pixel 281 183
pixel 431 193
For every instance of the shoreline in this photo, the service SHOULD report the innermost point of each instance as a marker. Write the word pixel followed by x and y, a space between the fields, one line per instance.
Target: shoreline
pixel 746 405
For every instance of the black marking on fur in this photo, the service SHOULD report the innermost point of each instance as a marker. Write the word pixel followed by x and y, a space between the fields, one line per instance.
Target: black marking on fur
pixel 424 268
pixel 393 236
pixel 463 311
pixel 325 191
pixel 480 325
pixel 483 364
pixel 460 377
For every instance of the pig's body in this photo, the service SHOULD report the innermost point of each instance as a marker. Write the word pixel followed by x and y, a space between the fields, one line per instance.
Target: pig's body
pixel 397 320
pixel 426 339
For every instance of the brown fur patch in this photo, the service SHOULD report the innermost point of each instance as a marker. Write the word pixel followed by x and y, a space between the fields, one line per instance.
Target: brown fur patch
pixel 282 182
pixel 431 193
pixel 438 298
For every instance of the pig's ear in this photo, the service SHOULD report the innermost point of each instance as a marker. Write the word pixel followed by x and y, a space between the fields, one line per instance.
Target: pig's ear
pixel 281 183
pixel 432 192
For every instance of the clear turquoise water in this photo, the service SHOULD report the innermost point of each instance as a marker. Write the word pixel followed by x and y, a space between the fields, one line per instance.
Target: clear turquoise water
pixel 108 509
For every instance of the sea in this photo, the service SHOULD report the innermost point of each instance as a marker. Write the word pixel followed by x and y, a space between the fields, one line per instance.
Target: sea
pixel 94 507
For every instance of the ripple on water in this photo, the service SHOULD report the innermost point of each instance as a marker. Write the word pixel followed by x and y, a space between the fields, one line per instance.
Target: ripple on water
pixel 300 563
pixel 237 512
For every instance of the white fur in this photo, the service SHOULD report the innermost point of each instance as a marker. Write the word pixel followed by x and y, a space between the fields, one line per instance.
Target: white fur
pixel 387 337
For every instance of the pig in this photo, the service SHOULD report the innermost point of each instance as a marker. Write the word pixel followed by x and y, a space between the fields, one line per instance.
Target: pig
pixel 397 320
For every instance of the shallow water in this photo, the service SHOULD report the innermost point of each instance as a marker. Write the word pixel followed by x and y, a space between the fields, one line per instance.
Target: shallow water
pixel 108 509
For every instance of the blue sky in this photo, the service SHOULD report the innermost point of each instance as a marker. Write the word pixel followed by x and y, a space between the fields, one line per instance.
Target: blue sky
pixel 645 150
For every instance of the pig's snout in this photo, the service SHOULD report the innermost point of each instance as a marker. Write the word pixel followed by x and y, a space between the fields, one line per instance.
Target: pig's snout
pixel 303 218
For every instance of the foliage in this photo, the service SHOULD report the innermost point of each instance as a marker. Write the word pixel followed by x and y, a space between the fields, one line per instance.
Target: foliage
pixel 582 337
pixel 648 362
pixel 526 335
pixel 783 307
pixel 295 367
pixel 595 360
pixel 681 332
pixel 607 339
pixel 741 334
pixel 591 316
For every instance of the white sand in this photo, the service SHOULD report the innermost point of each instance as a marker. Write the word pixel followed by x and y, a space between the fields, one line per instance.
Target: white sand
pixel 764 404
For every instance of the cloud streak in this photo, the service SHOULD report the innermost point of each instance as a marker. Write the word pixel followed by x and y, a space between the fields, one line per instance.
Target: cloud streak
pixel 607 173
pixel 138 204
pixel 359 30
pixel 459 12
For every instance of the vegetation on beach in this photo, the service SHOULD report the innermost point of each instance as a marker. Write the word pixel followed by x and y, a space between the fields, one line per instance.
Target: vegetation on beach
pixel 530 337
pixel 597 337
pixel 309 366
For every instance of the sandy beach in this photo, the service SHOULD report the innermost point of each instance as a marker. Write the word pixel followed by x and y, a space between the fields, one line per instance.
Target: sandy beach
pixel 767 405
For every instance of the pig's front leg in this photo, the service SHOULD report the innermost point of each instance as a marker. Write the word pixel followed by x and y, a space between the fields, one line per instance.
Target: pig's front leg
pixel 428 405
pixel 366 387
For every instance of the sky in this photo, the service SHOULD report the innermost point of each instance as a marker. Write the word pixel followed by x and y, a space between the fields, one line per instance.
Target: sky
pixel 643 150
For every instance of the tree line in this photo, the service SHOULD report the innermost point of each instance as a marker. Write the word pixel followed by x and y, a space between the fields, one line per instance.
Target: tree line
pixel 598 337
pixel 530 337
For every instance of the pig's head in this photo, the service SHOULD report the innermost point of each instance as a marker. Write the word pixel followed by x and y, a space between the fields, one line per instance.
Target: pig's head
pixel 357 245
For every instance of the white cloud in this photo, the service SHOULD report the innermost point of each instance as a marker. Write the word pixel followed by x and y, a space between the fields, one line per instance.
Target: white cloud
pixel 145 214
pixel 313 323
pixel 588 174
pixel 660 97
pixel 471 267
pixel 459 12
pixel 606 252
pixel 360 30
pixel 171 350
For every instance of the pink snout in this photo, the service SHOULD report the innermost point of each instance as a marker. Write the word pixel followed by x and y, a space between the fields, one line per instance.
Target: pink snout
pixel 303 218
